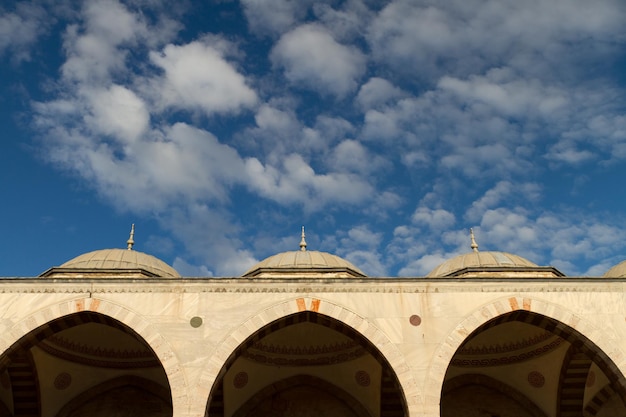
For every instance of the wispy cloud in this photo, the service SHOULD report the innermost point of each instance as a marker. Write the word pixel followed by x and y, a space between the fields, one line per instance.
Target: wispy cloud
pixel 394 127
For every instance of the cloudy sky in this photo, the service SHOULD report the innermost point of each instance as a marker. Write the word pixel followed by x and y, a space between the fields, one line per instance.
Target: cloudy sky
pixel 387 129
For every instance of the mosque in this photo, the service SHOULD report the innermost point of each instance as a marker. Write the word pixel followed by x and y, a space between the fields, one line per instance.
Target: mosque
pixel 118 332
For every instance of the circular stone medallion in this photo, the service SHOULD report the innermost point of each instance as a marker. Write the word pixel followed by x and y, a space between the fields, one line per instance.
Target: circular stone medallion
pixel 415 320
pixel 536 379
pixel 62 381
pixel 196 322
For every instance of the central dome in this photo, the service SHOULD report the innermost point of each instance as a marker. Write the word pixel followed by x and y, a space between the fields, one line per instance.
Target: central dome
pixel 304 264
pixel 483 261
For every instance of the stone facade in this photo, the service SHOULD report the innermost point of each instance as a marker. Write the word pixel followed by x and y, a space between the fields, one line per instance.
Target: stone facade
pixel 384 346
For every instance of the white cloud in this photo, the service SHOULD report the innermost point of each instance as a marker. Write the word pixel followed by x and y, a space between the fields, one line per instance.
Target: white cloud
pixel 432 38
pixel 119 112
pixel 507 94
pixel 111 20
pixel 422 266
pixel 470 143
pixel 570 153
pixel 351 156
pixel 166 167
pixel 187 270
pixel 313 59
pixel 360 245
pixel 273 16
pixel 377 91
pixel 347 22
pixel 198 77
pixel 94 48
pixel 20 29
pixel 435 219
pixel 503 193
pixel 275 120
pixel 278 133
pixel 361 236
pixel 210 235
pixel 296 182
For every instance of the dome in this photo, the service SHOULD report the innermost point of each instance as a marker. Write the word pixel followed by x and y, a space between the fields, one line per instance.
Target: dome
pixel 618 271
pixel 304 263
pixel 490 264
pixel 479 261
pixel 114 263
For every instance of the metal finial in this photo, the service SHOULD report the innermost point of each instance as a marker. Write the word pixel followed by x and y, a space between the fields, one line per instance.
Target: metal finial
pixel 302 241
pixel 130 242
pixel 474 245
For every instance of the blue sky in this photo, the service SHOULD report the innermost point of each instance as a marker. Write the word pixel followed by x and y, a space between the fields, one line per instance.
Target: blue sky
pixel 387 129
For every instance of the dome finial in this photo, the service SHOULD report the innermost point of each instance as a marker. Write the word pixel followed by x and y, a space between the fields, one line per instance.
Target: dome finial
pixel 302 241
pixel 130 242
pixel 473 245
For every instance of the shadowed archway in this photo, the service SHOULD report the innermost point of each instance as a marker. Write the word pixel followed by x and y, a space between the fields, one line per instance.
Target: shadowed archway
pixel 67 358
pixel 319 351
pixel 549 364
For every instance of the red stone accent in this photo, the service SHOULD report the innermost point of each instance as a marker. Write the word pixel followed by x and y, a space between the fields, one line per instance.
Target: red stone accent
pixel 526 304
pixel 536 379
pixel 513 303
pixel 362 378
pixel 315 305
pixel 240 380
pixel 301 304
pixel 415 320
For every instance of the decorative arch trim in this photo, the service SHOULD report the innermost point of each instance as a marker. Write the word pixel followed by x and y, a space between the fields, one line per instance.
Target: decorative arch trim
pixel 561 316
pixel 18 335
pixel 389 351
pixel 594 406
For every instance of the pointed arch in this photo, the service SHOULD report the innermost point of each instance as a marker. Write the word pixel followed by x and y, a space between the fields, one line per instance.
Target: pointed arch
pixel 563 321
pixel 22 335
pixel 359 325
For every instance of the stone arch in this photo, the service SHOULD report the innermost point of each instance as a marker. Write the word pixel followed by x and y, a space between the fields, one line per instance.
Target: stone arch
pixel 499 307
pixel 295 381
pixel 601 398
pixel 134 321
pixel 361 325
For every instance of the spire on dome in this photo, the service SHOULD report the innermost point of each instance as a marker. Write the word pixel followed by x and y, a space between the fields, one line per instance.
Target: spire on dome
pixel 130 242
pixel 473 245
pixel 302 241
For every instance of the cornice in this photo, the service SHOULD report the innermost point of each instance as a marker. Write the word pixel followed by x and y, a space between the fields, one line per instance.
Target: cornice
pixel 307 286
